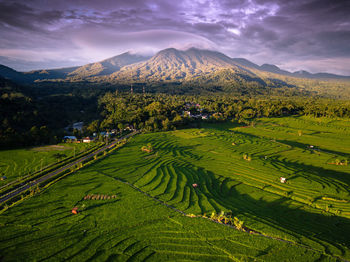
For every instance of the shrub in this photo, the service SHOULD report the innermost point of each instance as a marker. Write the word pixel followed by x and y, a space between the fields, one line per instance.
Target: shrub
pixel 238 223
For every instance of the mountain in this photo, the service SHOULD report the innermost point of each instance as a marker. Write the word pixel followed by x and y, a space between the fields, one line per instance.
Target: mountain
pixel 101 68
pixel 299 74
pixel 245 62
pixel 49 74
pixel 170 66
pixel 306 74
pixel 11 74
pixel 273 69
pixel 106 67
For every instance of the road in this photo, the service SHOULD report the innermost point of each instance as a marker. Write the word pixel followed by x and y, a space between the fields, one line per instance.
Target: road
pixel 25 187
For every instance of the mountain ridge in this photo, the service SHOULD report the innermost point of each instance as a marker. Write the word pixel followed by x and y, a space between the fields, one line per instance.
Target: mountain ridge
pixel 168 65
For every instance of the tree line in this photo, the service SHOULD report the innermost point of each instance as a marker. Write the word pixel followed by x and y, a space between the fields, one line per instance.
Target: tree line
pixel 155 112
pixel 38 116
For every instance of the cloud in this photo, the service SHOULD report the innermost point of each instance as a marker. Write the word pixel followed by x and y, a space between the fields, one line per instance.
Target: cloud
pixel 19 16
pixel 107 42
pixel 266 31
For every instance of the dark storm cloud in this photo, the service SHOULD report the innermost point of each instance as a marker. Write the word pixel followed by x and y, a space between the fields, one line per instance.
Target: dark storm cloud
pixel 303 34
pixel 20 16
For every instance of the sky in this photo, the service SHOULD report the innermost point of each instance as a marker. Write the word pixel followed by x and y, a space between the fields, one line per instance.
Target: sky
pixel 311 35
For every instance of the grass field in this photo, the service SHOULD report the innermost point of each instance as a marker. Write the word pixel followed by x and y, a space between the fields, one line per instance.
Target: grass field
pixel 312 209
pixel 19 162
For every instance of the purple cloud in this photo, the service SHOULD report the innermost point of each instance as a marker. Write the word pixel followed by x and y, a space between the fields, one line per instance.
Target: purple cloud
pixel 306 34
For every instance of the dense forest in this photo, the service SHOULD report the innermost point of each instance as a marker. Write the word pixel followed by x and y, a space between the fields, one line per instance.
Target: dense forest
pixel 41 115
pixel 164 112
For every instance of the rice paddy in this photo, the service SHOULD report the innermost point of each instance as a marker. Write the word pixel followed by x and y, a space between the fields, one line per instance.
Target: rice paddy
pixel 305 219
pixel 20 162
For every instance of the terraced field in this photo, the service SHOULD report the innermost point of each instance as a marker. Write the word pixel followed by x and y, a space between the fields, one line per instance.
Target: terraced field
pixel 19 162
pixel 311 211
pixel 132 227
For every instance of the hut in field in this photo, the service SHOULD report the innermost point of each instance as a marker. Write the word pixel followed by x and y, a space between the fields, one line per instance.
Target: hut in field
pixel 147 149
pixel 75 210
pixel 87 139
pixel 194 185
pixel 283 180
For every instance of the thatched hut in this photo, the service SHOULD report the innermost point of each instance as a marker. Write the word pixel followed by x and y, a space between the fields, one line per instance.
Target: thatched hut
pixel 75 210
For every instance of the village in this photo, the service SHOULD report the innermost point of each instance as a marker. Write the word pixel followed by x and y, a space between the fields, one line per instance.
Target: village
pixel 75 132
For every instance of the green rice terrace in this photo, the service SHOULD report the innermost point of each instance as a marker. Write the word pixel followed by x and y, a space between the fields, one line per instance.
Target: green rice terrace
pixel 17 163
pixel 276 190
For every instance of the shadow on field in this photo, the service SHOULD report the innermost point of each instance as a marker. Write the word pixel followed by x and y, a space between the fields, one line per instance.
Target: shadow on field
pixel 92 206
pixel 320 231
pixel 306 147
pixel 320 228
pixel 305 171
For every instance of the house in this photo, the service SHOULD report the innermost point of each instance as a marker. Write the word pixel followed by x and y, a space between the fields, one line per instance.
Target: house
pixel 87 139
pixel 194 185
pixel 3 178
pixel 69 138
pixel 283 180
pixel 204 116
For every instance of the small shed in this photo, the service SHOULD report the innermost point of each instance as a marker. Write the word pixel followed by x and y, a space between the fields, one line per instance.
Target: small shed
pixel 3 178
pixel 194 185
pixel 75 210
pixel 283 180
